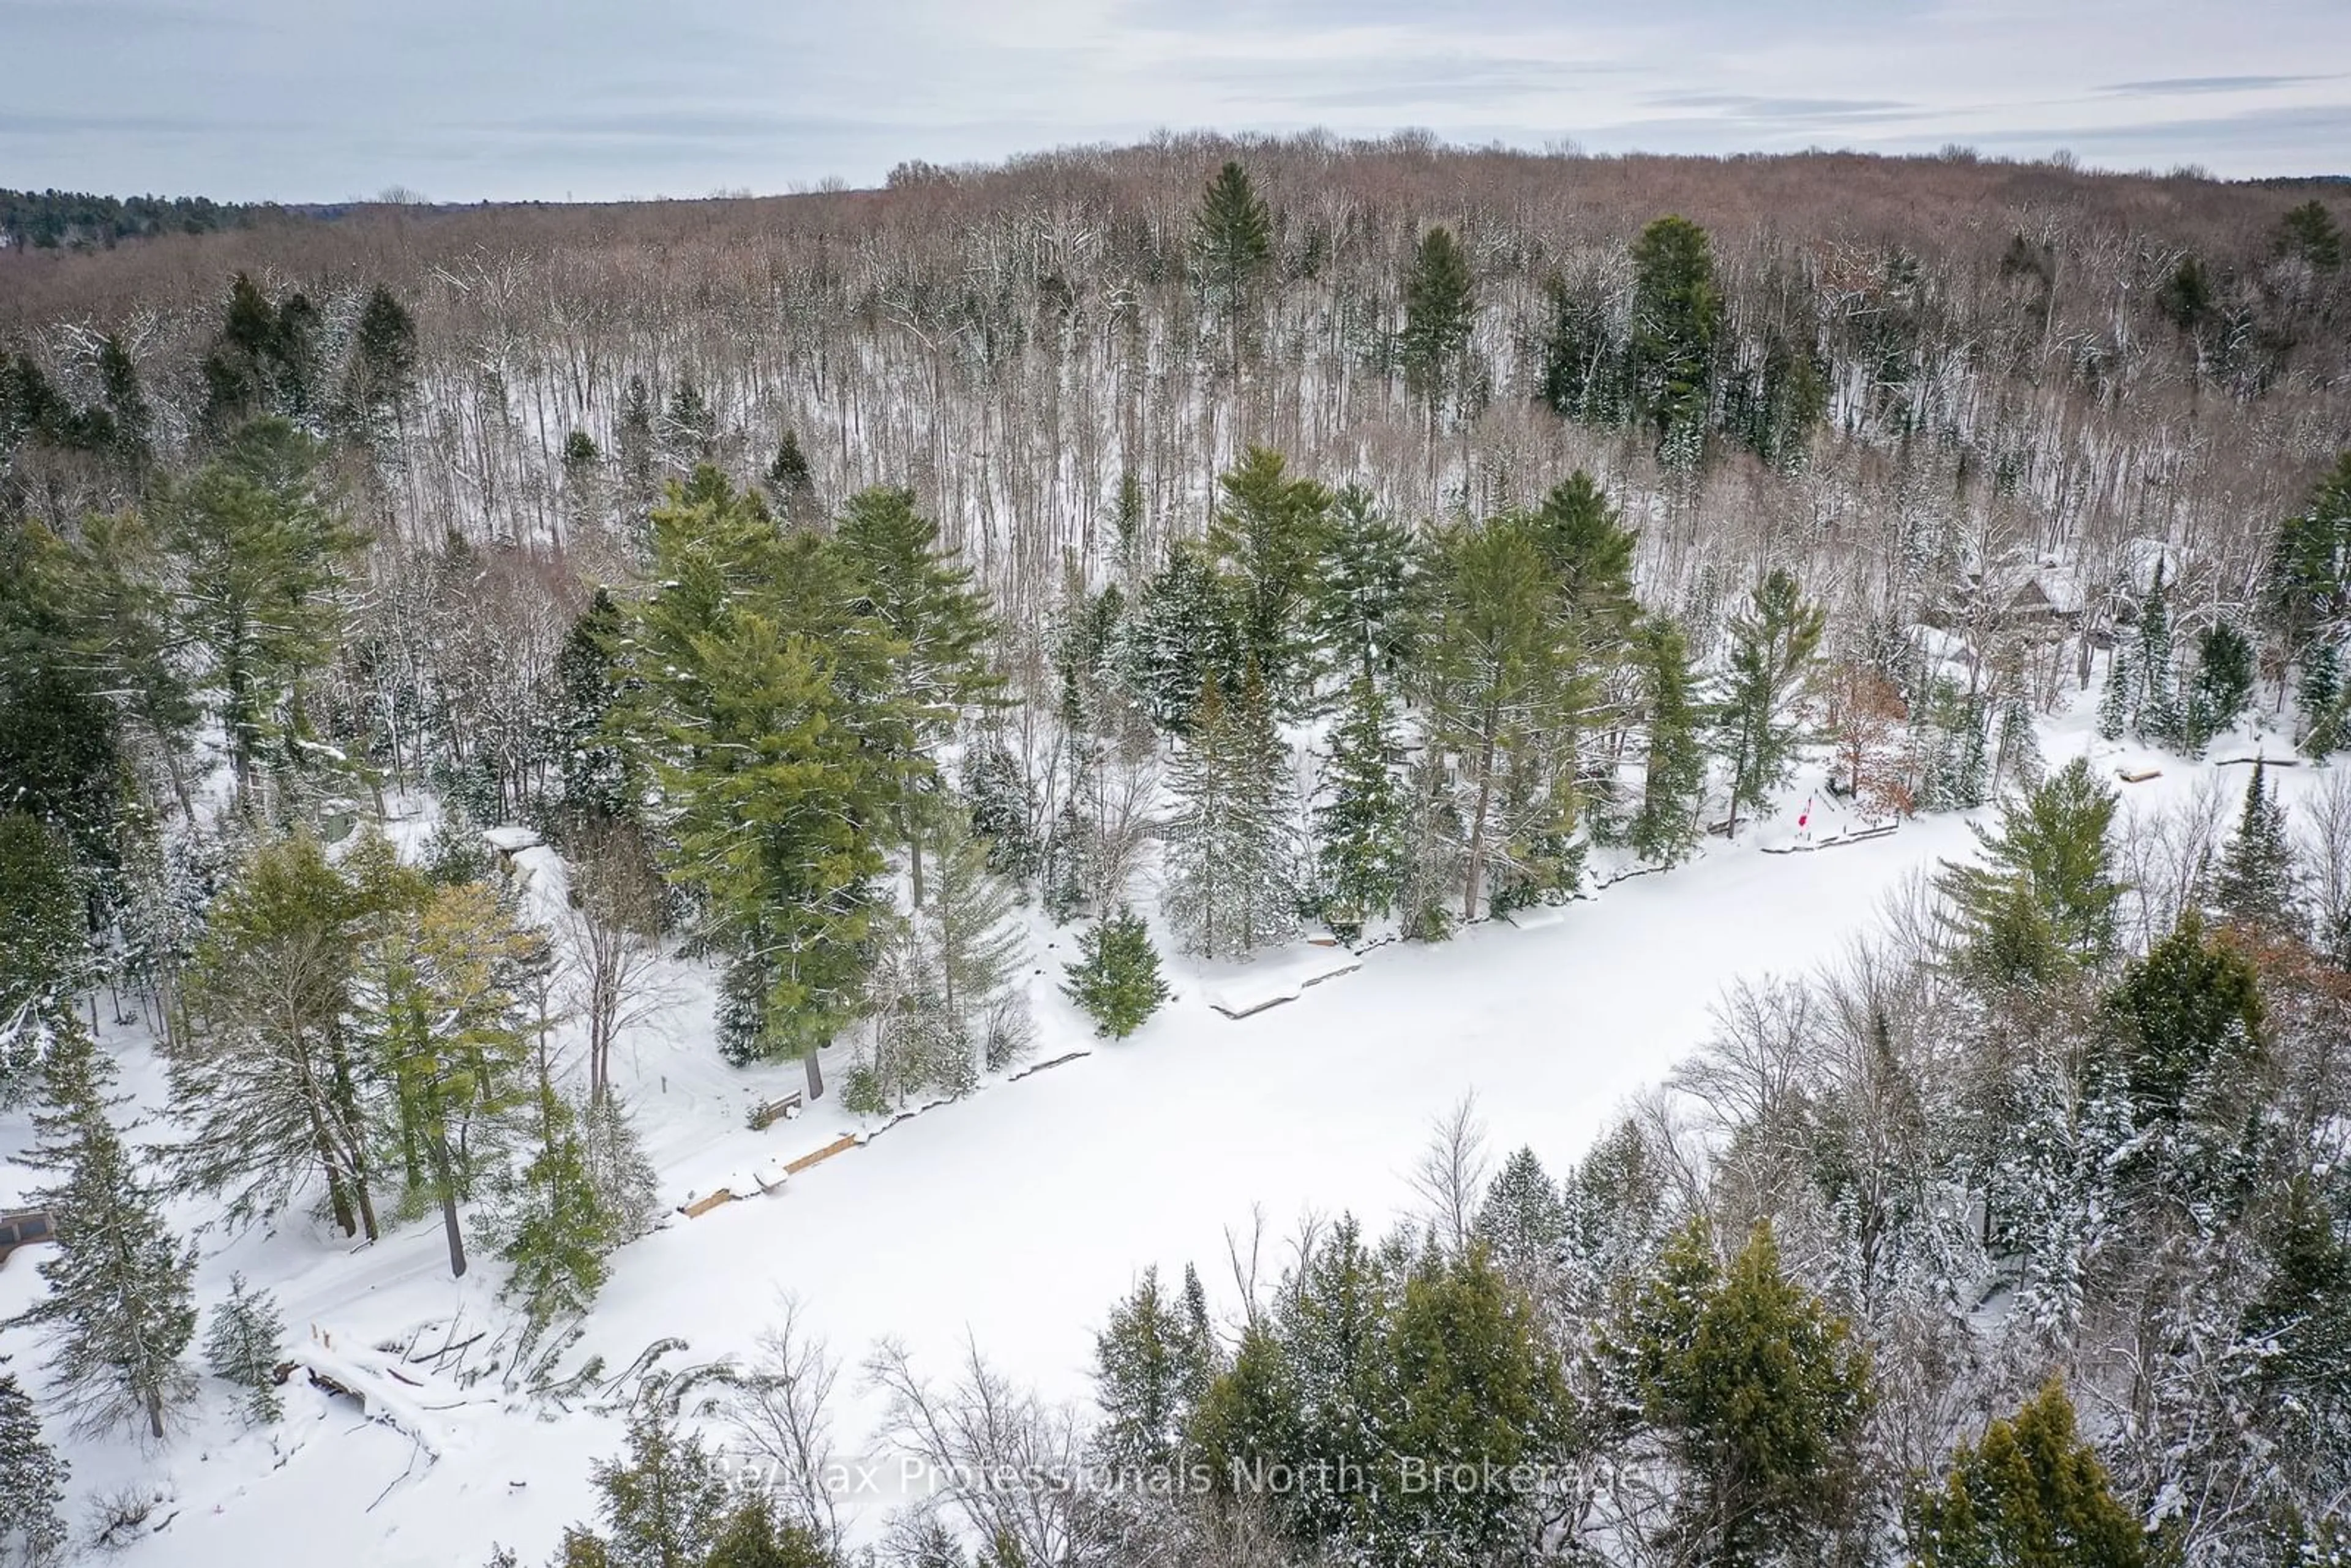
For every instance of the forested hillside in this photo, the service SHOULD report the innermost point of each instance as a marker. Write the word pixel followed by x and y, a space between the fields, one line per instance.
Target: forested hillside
pixel 1207 547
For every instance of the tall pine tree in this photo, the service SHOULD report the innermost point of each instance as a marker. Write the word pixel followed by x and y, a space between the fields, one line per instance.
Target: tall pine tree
pixel 1773 644
pixel 1230 869
pixel 1665 828
pixel 1440 310
pixel 119 1310
pixel 2255 884
pixel 1360 824
pixel 33 1479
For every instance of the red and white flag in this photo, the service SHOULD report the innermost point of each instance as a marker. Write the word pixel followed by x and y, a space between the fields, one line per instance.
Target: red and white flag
pixel 1804 816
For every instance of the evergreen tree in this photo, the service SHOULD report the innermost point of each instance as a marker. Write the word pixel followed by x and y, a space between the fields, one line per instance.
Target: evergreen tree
pixel 632 447
pixel 118 1311
pixel 1500 700
pixel 244 1347
pixel 2186 297
pixel 2255 884
pixel 1477 1381
pixel 2016 756
pixel 1266 533
pixel 1958 763
pixel 60 740
pixel 590 692
pixel 1116 977
pixel 262 546
pixel 131 421
pixel 1232 243
pixel 627 1187
pixel 2322 697
pixel 1523 1221
pixel 665 1504
pixel 33 1479
pixel 295 374
pixel 1153 1361
pixel 973 949
pixel 1665 828
pixel 2115 696
pixel 1003 809
pixel 380 379
pixel 1676 312
pixel 237 371
pixel 928 606
pixel 2188 1013
pixel 2222 688
pixel 689 427
pixel 1231 878
pixel 1759 1395
pixel 552 1222
pixel 2309 232
pixel 130 640
pixel 770 706
pixel 1308 1385
pixel 912 585
pixel 2045 897
pixel 1440 309
pixel 1360 825
pixel 1185 631
pixel 1773 645
pixel 2310 570
pixel 752 1535
pixel 2300 1319
pixel 1362 612
pixel 1434 842
pixel 790 482
pixel 438 1010
pixel 1583 541
pixel 2028 1494
pixel 272 1086
pixel 2160 717
pixel 44 952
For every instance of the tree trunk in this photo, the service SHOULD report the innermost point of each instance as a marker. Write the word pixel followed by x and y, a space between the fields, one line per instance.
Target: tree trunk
pixel 442 1173
pixel 914 850
pixel 1478 834
pixel 339 1195
pixel 815 1075
pixel 368 1225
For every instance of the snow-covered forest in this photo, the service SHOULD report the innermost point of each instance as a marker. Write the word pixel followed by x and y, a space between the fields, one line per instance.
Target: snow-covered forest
pixel 1533 859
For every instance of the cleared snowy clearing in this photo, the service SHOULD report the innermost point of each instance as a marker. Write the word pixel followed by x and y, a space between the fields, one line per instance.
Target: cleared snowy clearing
pixel 1014 1219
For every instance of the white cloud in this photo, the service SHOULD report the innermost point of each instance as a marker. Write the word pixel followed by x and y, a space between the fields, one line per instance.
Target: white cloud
pixel 317 99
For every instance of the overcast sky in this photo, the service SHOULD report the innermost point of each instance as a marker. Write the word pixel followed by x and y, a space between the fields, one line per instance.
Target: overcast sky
pixel 463 100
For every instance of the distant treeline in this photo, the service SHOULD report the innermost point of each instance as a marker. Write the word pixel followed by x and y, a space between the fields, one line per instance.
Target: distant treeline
pixel 55 220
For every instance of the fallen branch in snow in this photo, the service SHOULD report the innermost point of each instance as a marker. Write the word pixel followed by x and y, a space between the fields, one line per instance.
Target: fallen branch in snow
pixel 435 1359
pixel 1629 875
pixel 391 1485
pixel 1028 1071
pixel 645 1358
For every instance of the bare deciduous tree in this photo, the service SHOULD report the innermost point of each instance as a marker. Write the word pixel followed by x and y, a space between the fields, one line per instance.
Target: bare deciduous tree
pixel 609 936
pixel 1451 1175
pixel 781 1407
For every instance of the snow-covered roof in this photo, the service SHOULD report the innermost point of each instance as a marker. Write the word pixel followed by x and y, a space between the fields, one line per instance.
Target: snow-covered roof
pixel 507 840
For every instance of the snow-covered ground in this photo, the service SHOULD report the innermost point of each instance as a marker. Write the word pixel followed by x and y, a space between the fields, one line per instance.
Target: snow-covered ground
pixel 1013 1219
